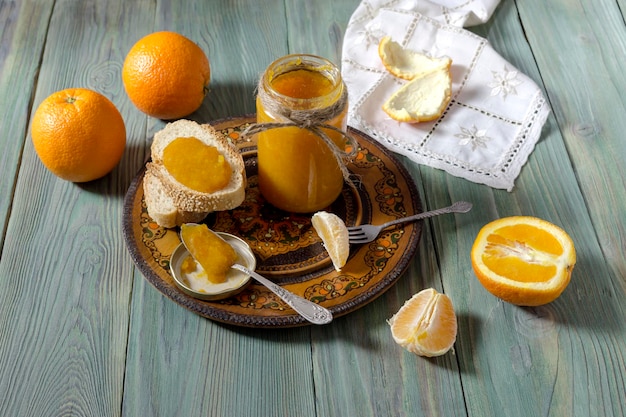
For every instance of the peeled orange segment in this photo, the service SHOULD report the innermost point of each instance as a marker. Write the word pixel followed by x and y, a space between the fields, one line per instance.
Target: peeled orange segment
pixel 426 324
pixel 422 99
pixel 408 64
pixel 334 234
pixel 523 260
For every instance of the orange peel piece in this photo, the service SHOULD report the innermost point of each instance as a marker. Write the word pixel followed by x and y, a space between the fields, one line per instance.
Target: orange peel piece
pixel 429 90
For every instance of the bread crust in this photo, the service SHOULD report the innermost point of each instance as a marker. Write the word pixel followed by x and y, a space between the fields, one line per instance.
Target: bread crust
pixel 186 200
pixel 161 208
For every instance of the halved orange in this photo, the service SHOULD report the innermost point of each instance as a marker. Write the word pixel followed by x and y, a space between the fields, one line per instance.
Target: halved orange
pixel 426 324
pixel 523 260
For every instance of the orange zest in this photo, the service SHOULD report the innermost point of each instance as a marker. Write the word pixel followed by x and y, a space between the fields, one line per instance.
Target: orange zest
pixel 429 90
pixel 523 260
pixel 426 324
pixel 407 64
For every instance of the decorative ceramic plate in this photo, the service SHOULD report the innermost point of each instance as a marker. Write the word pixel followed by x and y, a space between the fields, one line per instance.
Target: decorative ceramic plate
pixel 287 249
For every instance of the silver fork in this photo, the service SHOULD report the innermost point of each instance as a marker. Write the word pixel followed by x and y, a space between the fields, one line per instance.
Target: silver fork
pixel 368 232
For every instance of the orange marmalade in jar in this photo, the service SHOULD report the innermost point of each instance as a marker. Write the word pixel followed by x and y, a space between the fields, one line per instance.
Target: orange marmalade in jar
pixel 299 171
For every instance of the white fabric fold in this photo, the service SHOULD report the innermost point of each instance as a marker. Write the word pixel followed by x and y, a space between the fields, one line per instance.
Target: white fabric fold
pixel 495 115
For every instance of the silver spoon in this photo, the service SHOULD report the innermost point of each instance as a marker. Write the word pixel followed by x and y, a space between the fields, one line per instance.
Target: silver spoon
pixel 311 311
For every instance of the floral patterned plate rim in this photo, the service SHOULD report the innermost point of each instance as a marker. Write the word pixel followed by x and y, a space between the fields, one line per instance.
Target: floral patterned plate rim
pixel 287 248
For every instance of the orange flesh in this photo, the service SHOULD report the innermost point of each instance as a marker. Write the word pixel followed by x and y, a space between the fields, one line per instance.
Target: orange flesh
pixel 522 253
pixel 214 254
pixel 297 170
pixel 429 321
pixel 437 330
pixel 533 236
pixel 196 165
pixel 406 321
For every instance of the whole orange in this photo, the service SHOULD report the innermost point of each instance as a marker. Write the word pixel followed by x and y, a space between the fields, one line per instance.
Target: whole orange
pixel 166 75
pixel 78 134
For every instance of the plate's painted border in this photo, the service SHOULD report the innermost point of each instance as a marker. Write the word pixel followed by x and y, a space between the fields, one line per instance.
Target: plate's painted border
pixel 214 312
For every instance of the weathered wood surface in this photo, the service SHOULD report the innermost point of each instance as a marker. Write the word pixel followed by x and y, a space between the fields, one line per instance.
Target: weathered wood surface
pixel 82 333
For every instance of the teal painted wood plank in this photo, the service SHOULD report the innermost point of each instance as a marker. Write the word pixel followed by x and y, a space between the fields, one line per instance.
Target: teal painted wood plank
pixel 588 106
pixel 587 100
pixel 318 28
pixel 65 273
pixel 22 39
pixel 522 361
pixel 182 364
pixel 240 39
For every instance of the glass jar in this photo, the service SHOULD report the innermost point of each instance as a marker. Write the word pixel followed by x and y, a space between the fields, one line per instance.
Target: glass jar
pixel 299 171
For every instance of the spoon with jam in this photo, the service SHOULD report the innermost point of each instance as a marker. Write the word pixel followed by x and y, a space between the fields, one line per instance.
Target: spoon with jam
pixel 217 257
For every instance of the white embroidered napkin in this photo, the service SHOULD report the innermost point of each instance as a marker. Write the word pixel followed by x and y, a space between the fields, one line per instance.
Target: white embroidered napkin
pixel 496 113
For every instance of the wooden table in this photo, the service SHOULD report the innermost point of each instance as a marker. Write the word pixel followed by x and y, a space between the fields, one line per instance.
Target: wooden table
pixel 82 333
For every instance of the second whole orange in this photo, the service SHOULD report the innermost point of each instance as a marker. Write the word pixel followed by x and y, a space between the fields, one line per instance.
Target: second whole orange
pixel 166 75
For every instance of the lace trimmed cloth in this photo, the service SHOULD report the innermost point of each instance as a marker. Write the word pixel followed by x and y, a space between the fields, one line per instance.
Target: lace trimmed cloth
pixel 495 115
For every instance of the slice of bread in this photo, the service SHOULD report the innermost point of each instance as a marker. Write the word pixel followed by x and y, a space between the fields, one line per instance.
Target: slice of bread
pixel 408 64
pixel 422 99
pixel 160 205
pixel 163 192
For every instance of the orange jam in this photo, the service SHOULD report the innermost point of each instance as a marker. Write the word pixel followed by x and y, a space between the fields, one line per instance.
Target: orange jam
pixel 188 265
pixel 196 165
pixel 302 83
pixel 298 172
pixel 212 252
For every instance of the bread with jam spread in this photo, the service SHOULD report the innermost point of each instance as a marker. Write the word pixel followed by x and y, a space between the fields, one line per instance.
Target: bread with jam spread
pixel 163 192
pixel 161 207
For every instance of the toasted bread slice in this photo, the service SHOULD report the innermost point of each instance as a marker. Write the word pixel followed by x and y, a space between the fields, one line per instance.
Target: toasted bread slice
pixel 422 99
pixel 408 64
pixel 185 199
pixel 161 207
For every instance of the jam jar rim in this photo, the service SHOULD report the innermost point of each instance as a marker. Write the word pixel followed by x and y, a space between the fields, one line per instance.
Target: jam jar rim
pixel 293 62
